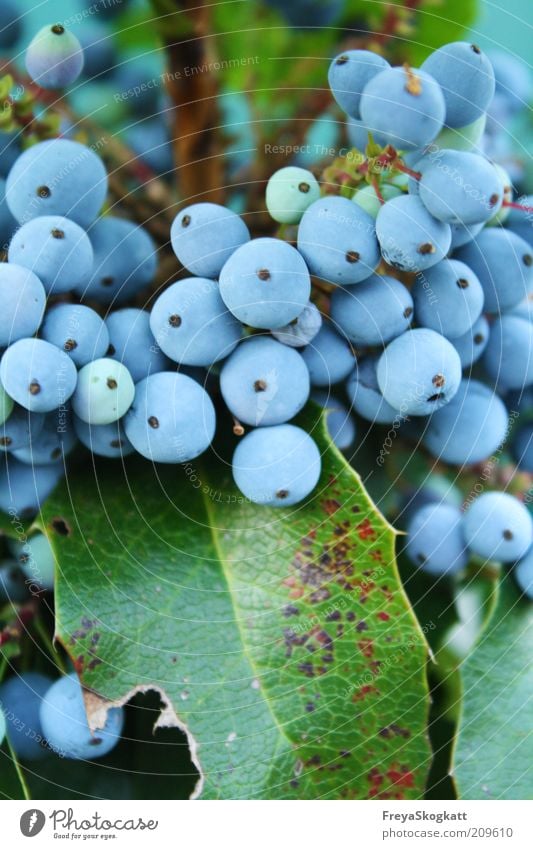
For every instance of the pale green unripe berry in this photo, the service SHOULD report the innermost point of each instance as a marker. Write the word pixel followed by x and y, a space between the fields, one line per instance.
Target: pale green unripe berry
pixel 289 192
pixel 54 57
pixel 460 138
pixel 368 200
pixel 104 392
pixel 36 560
pixel 6 405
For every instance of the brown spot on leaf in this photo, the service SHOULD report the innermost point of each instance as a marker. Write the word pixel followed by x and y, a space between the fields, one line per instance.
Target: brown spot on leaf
pixel 366 647
pixel 61 526
pixel 365 530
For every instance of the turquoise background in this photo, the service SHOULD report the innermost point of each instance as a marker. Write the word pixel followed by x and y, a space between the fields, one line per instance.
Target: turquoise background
pixel 506 25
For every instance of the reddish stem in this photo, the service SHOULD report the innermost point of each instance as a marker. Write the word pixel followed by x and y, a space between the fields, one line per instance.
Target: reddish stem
pixel 519 206
pixel 399 165
pixel 375 184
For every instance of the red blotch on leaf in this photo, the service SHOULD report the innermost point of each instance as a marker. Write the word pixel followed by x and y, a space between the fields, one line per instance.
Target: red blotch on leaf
pixel 331 505
pixel 365 530
pixel 363 692
pixel 401 778
pixel 366 647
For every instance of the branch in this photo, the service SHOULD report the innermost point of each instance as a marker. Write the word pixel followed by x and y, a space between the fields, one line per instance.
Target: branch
pixel 188 39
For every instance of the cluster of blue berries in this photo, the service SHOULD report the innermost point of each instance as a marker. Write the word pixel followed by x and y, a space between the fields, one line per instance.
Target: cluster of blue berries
pixel 423 281
pixel 441 219
pixel 65 372
pixel 45 717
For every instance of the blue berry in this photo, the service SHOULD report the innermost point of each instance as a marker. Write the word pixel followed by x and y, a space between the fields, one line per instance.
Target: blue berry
pixel 10 24
pixel 54 58
pixel 513 79
pixel 289 192
pixel 503 263
pixel 130 80
pixel 348 75
pixel 419 372
pixel 205 235
pixel 237 128
pixel 57 177
pixel 107 440
pixel 471 344
pixel 448 298
pixel 77 330
pixel 507 358
pixel 403 107
pixel 265 283
pixel 132 343
pixel 150 140
pixel 24 488
pixel 523 310
pixel 338 242
pixel 464 233
pixel 470 428
pixel 37 375
pixel 9 150
pixel 466 78
pixel 54 441
pixel 172 419
pixel 125 260
pixel 365 395
pixel 498 527
pixel 13 588
pixel 57 250
pixel 21 697
pixel 191 324
pixel 341 425
pixel 434 489
pixel 276 466
pixel 523 573
pixel 104 393
pixel 374 312
pixel 522 448
pixel 460 187
pixel 302 329
pixel 410 238
pixel 36 560
pixel 435 540
pixel 264 382
pixel 99 53
pixel 357 134
pixel 65 726
pixel 8 225
pixel 20 429
pixel 329 357
pixel 23 300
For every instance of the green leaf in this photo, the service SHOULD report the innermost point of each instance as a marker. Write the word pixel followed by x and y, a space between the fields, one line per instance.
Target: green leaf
pixel 13 784
pixel 12 781
pixel 281 641
pixel 494 749
pixel 439 22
